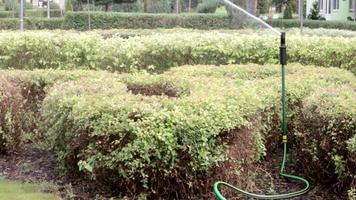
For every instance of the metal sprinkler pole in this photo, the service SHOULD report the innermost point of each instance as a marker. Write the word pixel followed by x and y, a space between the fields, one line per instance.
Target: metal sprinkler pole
pixel 48 10
pixel 301 14
pixel 89 18
pixel 21 15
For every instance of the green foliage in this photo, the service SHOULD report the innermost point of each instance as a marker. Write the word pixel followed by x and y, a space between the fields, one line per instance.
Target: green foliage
pixel 31 23
pixel 157 129
pixel 33 13
pixel 68 6
pixel 11 5
pixel 138 130
pixel 6 14
pixel 128 7
pixel 263 6
pixel 28 5
pixel 21 96
pixel 352 194
pixel 327 127
pixel 104 20
pixel 43 13
pixel 282 23
pixel 161 51
pixel 314 12
pixel 54 6
pixel 208 6
pixel 160 6
pixel 288 13
pixel 351 144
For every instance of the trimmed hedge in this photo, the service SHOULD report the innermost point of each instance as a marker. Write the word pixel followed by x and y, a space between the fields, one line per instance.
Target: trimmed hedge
pixel 326 135
pixel 111 20
pixel 139 130
pixel 31 23
pixel 104 20
pixel 31 13
pixel 6 14
pixel 291 23
pixel 71 50
pixel 43 13
pixel 21 96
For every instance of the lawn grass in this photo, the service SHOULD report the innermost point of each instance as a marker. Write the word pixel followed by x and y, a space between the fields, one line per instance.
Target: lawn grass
pixel 10 190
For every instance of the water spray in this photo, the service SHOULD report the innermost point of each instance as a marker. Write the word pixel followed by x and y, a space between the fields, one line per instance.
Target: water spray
pixel 283 62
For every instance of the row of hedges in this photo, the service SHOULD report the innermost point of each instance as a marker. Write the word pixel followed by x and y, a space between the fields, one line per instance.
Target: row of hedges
pixel 31 24
pixel 31 13
pixel 104 20
pixel 321 32
pixel 291 23
pixel 136 131
pixel 72 50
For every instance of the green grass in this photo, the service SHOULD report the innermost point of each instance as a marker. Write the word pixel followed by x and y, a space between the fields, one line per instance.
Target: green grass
pixel 22 191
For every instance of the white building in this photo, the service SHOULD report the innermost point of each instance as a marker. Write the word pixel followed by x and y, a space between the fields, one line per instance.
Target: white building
pixel 39 3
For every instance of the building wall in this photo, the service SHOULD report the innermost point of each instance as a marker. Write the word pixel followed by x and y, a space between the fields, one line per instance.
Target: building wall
pixel 341 14
pixel 33 2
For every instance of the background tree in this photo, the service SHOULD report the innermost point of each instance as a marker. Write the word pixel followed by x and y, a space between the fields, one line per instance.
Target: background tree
pixel 263 6
pixel 314 12
pixel 290 8
pixel 68 5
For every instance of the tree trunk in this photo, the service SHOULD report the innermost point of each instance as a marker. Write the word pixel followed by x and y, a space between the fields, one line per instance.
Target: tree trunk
pixel 251 6
pixel 355 10
pixel 190 5
pixel 108 7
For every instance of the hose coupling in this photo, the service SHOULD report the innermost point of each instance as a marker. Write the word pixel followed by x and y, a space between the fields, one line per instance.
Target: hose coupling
pixel 284 139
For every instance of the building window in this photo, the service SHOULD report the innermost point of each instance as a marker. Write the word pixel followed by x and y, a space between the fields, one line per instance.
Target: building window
pixel 352 4
pixel 336 4
pixel 321 4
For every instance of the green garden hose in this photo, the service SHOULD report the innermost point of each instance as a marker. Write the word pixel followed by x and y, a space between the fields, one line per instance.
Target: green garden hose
pixel 219 196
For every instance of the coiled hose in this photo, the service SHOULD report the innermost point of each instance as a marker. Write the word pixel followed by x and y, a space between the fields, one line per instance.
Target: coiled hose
pixel 219 196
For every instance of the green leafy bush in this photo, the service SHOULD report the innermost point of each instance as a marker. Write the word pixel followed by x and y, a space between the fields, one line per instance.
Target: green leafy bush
pixel 161 6
pixel 33 13
pixel 21 96
pixel 314 12
pixel 158 52
pixel 127 7
pixel 292 23
pixel 7 14
pixel 43 13
pixel 208 6
pixel 31 23
pixel 11 5
pixel 352 194
pixel 138 130
pixel 104 20
pixel 327 130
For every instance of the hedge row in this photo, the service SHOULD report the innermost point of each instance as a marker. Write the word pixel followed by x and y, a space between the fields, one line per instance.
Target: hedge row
pixel 320 32
pixel 31 23
pixel 31 13
pixel 136 131
pixel 158 52
pixel 102 20
pixel 105 20
pixel 347 25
